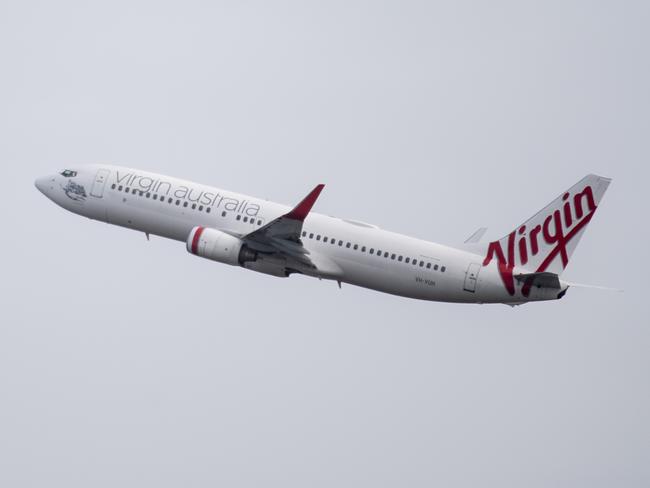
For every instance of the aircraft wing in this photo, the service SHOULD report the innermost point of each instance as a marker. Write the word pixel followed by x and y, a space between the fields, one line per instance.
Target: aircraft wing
pixel 289 226
pixel 281 237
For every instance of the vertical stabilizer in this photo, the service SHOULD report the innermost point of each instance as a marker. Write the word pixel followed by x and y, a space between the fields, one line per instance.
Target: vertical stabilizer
pixel 546 241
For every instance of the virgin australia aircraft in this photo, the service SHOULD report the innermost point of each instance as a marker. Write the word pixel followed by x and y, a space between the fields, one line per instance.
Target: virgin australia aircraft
pixel 275 239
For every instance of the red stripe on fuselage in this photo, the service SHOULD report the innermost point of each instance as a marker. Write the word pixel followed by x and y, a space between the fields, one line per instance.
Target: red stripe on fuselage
pixel 195 239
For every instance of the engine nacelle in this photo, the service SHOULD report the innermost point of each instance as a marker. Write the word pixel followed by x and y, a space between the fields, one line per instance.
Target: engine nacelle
pixel 218 246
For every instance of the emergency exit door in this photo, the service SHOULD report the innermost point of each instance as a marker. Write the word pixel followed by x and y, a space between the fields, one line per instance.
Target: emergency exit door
pixel 100 181
pixel 471 276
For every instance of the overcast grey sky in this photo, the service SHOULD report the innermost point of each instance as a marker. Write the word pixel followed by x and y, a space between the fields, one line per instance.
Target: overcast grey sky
pixel 131 363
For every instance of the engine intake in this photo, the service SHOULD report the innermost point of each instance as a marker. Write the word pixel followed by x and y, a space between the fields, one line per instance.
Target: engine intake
pixel 218 246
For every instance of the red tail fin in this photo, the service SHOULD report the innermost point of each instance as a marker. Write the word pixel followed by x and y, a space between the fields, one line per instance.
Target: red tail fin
pixel 546 241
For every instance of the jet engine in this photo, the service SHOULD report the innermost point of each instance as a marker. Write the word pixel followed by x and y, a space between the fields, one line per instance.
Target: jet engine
pixel 218 246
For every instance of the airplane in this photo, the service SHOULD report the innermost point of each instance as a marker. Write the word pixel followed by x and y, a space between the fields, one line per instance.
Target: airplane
pixel 523 266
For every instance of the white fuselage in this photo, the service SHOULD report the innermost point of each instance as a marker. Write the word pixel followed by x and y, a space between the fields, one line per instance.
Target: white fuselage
pixel 366 255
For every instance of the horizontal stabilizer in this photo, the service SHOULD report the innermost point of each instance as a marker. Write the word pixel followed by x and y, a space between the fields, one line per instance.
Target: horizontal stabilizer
pixel 475 238
pixel 542 279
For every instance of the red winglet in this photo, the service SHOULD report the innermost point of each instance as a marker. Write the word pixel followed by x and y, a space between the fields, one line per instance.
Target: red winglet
pixel 301 210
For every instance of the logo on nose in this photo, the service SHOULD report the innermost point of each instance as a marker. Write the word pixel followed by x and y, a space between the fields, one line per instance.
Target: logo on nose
pixel 74 191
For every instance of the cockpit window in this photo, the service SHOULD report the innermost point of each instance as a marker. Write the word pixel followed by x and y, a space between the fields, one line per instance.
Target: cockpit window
pixel 68 173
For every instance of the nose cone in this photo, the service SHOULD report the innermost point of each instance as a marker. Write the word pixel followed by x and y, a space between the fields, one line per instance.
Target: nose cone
pixel 41 184
pixel 45 185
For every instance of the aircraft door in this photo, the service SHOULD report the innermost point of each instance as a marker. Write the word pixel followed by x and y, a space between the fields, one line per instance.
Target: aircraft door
pixel 100 181
pixel 471 276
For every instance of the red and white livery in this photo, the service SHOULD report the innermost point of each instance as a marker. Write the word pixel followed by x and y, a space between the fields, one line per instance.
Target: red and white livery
pixel 525 265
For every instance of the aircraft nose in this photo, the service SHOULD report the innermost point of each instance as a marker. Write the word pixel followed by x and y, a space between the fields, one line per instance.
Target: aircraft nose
pixel 43 184
pixel 40 184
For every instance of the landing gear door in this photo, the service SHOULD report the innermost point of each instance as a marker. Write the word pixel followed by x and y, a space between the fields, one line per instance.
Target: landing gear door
pixel 100 181
pixel 471 276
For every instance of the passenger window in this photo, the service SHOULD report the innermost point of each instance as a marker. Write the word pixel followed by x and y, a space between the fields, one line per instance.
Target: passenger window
pixel 200 208
pixel 127 190
pixel 318 237
pixel 223 214
pixel 208 209
pixel 119 188
pixel 148 195
pixel 259 222
pixel 407 260
pixel 385 254
pixel 185 204
pixel 348 245
pixel 238 217
pixel 245 219
pixel 372 251
pixel 340 243
pixel 325 239
pixel 134 191
pixel 421 263
pixel 399 259
pixel 178 202
pixel 415 262
pixel 435 267
pixel 355 247
pixel 363 249
pixel 304 233
pixel 170 200
pixel 113 186
pixel 428 265
pixel 194 206
pixel 155 196
pixel 378 253
pixel 392 256
pixel 311 235
pixel 442 270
